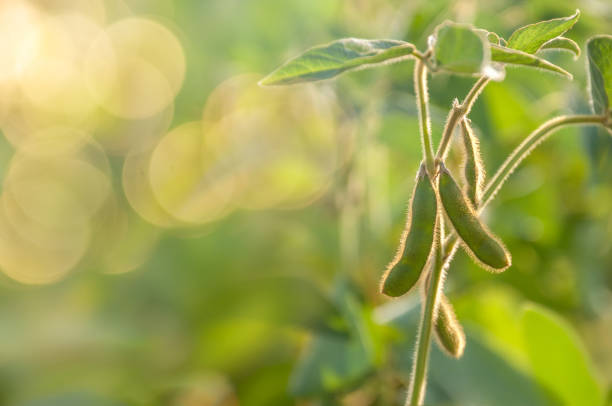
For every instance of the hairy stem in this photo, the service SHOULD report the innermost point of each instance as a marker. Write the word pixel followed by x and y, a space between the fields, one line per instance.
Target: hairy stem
pixel 516 157
pixel 420 88
pixel 457 113
pixel 432 289
pixel 528 144
pixel 418 380
pixel 446 250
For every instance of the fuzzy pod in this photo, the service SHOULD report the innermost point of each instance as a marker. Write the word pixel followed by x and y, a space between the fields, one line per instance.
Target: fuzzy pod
pixel 486 249
pixel 448 331
pixel 417 241
pixel 473 168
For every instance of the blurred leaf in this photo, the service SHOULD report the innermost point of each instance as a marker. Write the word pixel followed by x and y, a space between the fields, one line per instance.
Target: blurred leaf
pixel 531 37
pixel 330 365
pixel 516 57
pixel 73 399
pixel 482 376
pixel 333 364
pixel 558 359
pixel 287 299
pixel 599 54
pixel 562 43
pixel 493 312
pixel 460 49
pixel 330 60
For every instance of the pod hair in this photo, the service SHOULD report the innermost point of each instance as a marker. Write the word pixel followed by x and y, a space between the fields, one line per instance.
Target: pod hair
pixel 417 241
pixel 448 331
pixel 484 248
pixel 473 168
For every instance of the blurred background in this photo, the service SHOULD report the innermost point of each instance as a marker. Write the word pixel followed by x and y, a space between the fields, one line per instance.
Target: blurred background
pixel 173 234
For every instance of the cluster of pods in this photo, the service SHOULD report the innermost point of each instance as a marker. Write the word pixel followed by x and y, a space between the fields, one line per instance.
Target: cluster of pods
pixel 440 191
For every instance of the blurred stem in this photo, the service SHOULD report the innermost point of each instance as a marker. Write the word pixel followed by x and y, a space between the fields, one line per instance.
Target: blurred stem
pixel 416 392
pixel 420 88
pixel 457 113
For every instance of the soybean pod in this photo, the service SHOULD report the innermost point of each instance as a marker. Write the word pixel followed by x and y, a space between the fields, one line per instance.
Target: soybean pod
pixel 486 249
pixel 417 241
pixel 473 168
pixel 448 331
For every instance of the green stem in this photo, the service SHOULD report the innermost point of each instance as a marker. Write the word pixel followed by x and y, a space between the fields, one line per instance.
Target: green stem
pixel 517 156
pixel 528 144
pixel 420 88
pixel 446 250
pixel 418 380
pixel 432 290
pixel 457 113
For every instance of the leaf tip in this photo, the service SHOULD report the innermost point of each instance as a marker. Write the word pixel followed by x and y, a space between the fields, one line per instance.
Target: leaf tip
pixel 265 82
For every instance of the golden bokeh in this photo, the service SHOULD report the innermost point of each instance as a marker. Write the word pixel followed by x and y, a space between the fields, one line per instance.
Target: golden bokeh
pixel 79 84
pixel 138 191
pixel 135 68
pixel 185 185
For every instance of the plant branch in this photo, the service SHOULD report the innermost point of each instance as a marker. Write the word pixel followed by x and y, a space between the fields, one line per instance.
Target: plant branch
pixel 448 247
pixel 433 286
pixel 528 144
pixel 420 88
pixel 458 111
pixel 518 155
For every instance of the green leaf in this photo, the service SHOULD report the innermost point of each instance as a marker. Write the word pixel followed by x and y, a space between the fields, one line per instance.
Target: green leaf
pixel 484 375
pixel 599 56
pixel 329 365
pixel 330 60
pixel 461 49
pixel 515 57
pixel 558 359
pixel 332 364
pixel 531 37
pixel 287 300
pixel 562 43
pixel 73 399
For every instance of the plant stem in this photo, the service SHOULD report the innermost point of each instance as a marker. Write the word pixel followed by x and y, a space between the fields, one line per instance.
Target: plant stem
pixel 419 370
pixel 418 380
pixel 447 248
pixel 457 113
pixel 528 144
pixel 420 88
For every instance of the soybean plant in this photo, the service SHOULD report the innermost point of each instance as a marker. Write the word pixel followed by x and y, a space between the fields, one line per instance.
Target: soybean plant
pixel 438 201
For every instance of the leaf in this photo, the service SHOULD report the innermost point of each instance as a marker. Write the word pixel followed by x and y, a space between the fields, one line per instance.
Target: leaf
pixel 73 399
pixel 531 37
pixel 329 365
pixel 599 56
pixel 287 300
pixel 332 364
pixel 562 43
pixel 460 49
pixel 515 57
pixel 330 60
pixel 483 376
pixel 558 359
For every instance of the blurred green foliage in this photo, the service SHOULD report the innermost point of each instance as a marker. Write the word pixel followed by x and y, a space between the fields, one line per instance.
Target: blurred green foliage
pixel 243 269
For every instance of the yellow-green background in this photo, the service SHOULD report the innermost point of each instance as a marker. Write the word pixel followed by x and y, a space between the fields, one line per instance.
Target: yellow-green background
pixel 192 285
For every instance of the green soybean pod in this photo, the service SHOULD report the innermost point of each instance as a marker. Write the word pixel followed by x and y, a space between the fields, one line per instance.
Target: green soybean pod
pixel 486 249
pixel 448 331
pixel 417 241
pixel 473 168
